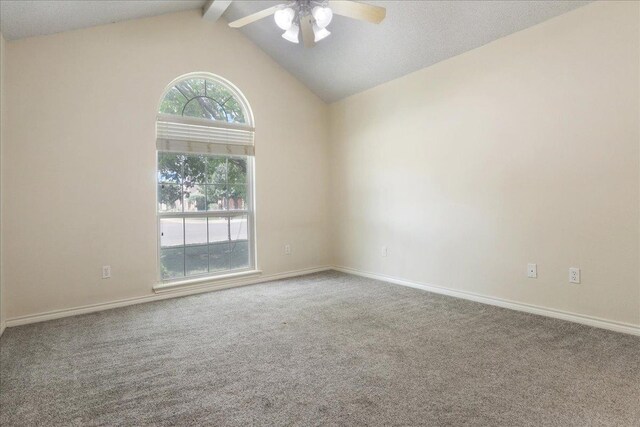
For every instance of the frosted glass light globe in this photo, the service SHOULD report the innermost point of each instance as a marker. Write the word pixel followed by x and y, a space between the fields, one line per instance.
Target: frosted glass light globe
pixel 320 33
pixel 322 15
pixel 284 18
pixel 292 34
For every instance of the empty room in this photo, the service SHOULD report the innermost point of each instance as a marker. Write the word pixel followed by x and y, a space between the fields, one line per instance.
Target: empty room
pixel 319 212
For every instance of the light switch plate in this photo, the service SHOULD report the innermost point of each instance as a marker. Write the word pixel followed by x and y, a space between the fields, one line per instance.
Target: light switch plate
pixel 532 271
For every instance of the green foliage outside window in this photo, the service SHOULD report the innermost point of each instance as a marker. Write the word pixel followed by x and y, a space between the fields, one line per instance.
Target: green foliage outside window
pixel 204 99
pixel 222 178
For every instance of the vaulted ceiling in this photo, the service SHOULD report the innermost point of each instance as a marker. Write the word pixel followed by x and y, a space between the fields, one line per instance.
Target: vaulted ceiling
pixel 356 57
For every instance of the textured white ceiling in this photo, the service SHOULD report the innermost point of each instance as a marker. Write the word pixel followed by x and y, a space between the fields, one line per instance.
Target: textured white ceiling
pixel 356 57
pixel 28 18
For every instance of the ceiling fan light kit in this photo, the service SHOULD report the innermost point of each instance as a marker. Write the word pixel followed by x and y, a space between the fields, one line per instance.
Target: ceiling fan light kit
pixel 322 15
pixel 292 34
pixel 312 17
pixel 289 16
pixel 320 33
pixel 284 18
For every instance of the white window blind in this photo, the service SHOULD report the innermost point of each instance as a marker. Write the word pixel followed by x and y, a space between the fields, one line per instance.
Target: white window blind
pixel 194 135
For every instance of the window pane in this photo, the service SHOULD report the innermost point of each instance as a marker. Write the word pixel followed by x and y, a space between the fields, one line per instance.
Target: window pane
pixel 216 197
pixel 204 108
pixel 238 228
pixel 191 87
pixel 237 196
pixel 217 170
pixel 171 232
pixel 173 102
pixel 218 257
pixel 196 260
pixel 218 229
pixel 194 198
pixel 199 97
pixel 237 171
pixel 239 255
pixel 195 169
pixel 232 108
pixel 217 91
pixel 172 263
pixel 213 110
pixel 170 168
pixel 169 198
pixel 234 111
pixel 195 231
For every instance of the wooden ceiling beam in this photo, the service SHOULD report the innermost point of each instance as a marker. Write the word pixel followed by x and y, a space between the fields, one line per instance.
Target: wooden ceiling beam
pixel 213 9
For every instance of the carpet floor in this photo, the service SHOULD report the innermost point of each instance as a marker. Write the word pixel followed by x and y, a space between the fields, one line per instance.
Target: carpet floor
pixel 323 349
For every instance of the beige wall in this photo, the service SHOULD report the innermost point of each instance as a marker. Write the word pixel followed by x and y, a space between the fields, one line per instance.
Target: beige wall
pixel 80 189
pixel 3 117
pixel 524 150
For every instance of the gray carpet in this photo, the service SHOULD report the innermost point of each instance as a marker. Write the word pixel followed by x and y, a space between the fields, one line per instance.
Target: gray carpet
pixel 324 349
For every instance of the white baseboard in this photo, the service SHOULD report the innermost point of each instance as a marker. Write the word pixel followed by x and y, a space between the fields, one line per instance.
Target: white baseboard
pixel 196 289
pixel 596 322
pixel 173 293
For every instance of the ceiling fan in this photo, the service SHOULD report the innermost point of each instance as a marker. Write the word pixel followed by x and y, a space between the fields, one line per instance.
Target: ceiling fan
pixel 311 17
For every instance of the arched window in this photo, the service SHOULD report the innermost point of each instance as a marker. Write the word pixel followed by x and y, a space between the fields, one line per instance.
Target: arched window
pixel 206 97
pixel 204 133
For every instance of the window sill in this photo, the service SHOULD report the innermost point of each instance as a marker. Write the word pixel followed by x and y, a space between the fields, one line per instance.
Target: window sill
pixel 222 281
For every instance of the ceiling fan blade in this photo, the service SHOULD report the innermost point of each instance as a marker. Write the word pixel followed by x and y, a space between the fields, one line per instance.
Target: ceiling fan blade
pixel 307 31
pixel 356 10
pixel 253 17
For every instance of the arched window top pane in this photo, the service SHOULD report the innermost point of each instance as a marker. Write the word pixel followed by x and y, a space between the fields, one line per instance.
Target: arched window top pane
pixel 204 98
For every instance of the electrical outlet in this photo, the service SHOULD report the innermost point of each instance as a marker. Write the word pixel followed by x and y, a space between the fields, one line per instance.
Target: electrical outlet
pixel 532 271
pixel 574 275
pixel 287 249
pixel 384 251
pixel 106 271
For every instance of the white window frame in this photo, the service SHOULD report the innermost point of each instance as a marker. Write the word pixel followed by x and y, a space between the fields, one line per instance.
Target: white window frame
pixel 234 147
